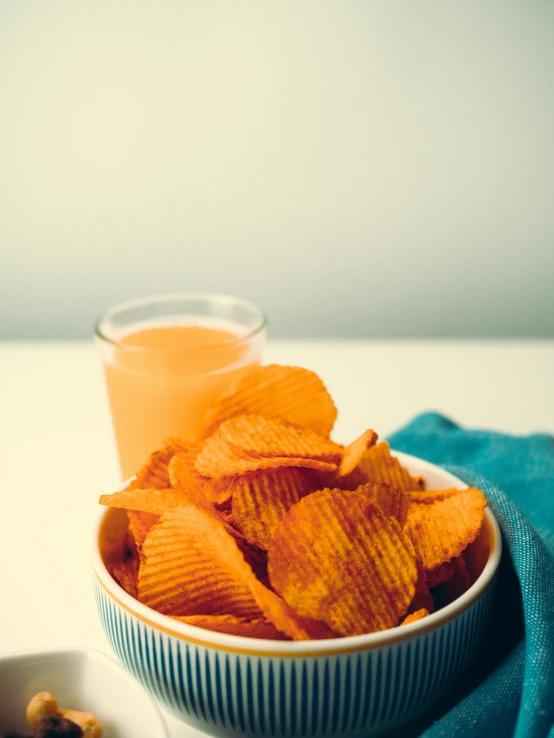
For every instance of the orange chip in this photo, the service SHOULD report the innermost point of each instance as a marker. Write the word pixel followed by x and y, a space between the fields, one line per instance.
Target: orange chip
pixel 154 473
pixel 155 501
pixel 413 617
pixel 259 436
pixel 261 499
pixel 125 574
pixel 442 530
pixel 187 452
pixel 230 624
pixel 432 495
pixel 422 598
pixel 218 459
pixel 219 491
pixel 338 558
pixel 288 393
pixel 355 451
pixel 392 500
pixel 140 524
pixel 183 480
pixel 379 465
pixel 439 574
pixel 286 619
pixel 192 566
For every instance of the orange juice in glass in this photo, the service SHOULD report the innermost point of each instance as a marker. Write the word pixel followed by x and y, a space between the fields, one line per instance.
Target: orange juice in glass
pixel 167 360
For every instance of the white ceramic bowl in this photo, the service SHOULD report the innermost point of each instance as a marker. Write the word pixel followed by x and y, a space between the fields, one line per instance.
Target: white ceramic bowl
pixel 358 686
pixel 80 679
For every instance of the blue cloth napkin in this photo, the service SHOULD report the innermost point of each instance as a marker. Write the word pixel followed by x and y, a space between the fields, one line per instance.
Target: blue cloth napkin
pixel 509 689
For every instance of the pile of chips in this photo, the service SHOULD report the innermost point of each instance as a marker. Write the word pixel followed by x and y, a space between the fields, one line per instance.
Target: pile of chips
pixel 267 528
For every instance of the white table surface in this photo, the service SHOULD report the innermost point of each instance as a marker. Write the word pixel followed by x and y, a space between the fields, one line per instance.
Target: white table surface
pixel 58 454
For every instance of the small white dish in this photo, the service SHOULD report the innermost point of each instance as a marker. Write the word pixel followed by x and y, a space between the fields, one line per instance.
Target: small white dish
pixel 80 679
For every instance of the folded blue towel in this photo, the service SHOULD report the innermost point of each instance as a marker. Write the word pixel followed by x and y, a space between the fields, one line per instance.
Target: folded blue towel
pixel 509 689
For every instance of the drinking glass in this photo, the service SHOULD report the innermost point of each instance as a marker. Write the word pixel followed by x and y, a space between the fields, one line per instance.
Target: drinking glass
pixel 167 359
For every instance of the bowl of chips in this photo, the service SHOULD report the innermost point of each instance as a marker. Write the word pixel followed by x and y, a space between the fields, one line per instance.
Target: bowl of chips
pixel 268 580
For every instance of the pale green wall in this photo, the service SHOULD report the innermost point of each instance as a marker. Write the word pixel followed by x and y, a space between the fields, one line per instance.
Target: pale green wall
pixel 359 168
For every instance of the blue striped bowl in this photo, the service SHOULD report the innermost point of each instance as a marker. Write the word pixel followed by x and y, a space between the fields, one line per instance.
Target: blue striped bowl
pixel 364 685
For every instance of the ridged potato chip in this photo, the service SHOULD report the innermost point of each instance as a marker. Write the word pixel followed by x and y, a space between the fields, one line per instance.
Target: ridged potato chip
pixel 183 480
pixel 140 524
pixel 355 451
pixel 192 566
pixel 230 624
pixel 286 619
pixel 289 393
pixel 439 574
pixel 379 465
pixel 155 501
pixel 219 491
pixel 261 499
pixel 154 473
pixel 218 459
pixel 442 530
pixel 338 558
pixel 422 598
pixel 432 495
pixel 259 436
pixel 392 500
pixel 125 573
pixel 413 617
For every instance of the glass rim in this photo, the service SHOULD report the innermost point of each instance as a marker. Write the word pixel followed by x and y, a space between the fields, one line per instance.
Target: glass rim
pixel 170 297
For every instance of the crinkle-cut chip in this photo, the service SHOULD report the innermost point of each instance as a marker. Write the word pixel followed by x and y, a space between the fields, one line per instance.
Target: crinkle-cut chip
pixel 230 624
pixel 432 495
pixel 183 480
pixel 186 483
pixel 413 617
pixel 154 473
pixel 217 459
pixel 422 597
pixel 354 452
pixel 379 465
pixel 219 491
pixel 286 619
pixel 289 393
pixel 259 436
pixel 339 558
pixel 261 499
pixel 439 574
pixel 191 565
pixel 442 530
pixel 140 524
pixel 393 500
pixel 187 452
pixel 125 573
pixel 155 501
